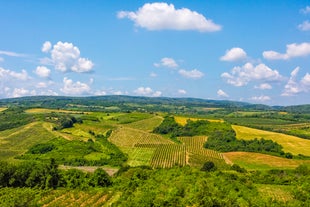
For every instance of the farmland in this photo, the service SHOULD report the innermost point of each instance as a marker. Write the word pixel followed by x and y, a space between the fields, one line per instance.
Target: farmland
pixel 107 156
pixel 292 144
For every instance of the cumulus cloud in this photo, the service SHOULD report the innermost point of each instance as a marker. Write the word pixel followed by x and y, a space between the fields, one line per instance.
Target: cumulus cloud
pixel 292 50
pixel 263 86
pixel 305 10
pixel 261 98
pixel 182 91
pixel 6 74
pixel 167 62
pixel 305 26
pixel 19 92
pixel 74 88
pixel 293 86
pixel 100 93
pixel 161 16
pixel 222 93
pixel 46 47
pixel 234 54
pixel 147 91
pixel 43 71
pixel 241 76
pixel 66 57
pixel 193 74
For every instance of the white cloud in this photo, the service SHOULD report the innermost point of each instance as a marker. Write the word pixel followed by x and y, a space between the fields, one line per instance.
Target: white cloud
pixel 147 91
pixel 263 86
pixel 261 98
pixel 48 92
pixel 294 87
pixel 153 75
pixel 100 93
pixel 222 93
pixel 43 71
pixel 160 16
pixel 182 91
pixel 193 74
pixel 305 26
pixel 241 76
pixel 1 59
pixel 11 54
pixel 118 93
pixel 19 92
pixel 157 94
pixel 305 10
pixel 66 57
pixel 74 88
pixel 234 54
pixel 167 62
pixel 46 46
pixel 292 50
pixel 9 74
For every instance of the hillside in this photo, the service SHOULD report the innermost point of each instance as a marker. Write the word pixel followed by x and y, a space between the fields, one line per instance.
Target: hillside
pixel 96 155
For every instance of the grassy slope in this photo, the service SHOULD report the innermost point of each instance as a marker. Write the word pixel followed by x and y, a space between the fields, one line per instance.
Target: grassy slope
pixel 257 161
pixel 17 141
pixel 292 144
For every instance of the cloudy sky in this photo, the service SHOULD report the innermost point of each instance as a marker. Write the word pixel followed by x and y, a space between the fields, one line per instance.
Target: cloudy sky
pixel 243 50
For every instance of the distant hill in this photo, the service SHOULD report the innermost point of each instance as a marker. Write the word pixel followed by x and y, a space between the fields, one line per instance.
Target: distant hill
pixel 115 100
pixel 123 103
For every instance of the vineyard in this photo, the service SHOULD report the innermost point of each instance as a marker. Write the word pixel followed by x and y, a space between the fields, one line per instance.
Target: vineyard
pixel 73 198
pixel 159 152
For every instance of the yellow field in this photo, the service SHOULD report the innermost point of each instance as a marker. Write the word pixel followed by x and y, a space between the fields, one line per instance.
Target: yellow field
pixel 43 110
pixel 2 109
pixel 292 144
pixel 255 161
pixel 183 120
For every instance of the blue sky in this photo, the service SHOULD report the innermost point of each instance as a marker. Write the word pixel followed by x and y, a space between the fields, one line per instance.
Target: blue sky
pixel 243 50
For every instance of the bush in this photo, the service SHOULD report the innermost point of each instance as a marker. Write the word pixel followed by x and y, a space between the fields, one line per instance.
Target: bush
pixel 208 166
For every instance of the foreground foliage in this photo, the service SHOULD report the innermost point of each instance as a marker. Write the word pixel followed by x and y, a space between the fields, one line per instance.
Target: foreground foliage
pixel 142 186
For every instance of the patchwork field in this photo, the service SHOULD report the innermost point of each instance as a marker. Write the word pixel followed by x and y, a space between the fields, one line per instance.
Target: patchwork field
pixel 182 120
pixel 17 141
pixel 292 144
pixel 257 161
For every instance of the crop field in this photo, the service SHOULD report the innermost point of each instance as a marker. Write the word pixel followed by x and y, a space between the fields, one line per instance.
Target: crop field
pixel 257 161
pixel 17 141
pixel 169 155
pixel 292 144
pixel 44 110
pixel 73 198
pixel 275 192
pixel 183 120
pixel 2 109
pixel 146 124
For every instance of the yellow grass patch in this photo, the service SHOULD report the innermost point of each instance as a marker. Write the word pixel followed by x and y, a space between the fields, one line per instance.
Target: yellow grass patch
pixel 251 160
pixel 183 120
pixel 43 110
pixel 292 144
pixel 283 112
pixel 2 109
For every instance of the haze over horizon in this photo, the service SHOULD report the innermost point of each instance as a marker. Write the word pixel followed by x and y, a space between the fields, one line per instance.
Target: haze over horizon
pixel 250 51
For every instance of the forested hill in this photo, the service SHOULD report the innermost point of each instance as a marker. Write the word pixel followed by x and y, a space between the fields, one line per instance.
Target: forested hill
pixel 123 103
pixel 126 103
